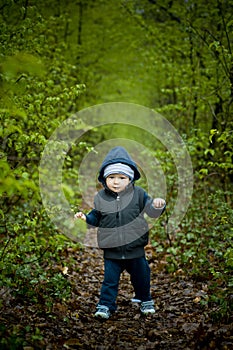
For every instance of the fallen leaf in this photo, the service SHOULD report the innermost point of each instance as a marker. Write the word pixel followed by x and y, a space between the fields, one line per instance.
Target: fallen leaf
pixel 197 300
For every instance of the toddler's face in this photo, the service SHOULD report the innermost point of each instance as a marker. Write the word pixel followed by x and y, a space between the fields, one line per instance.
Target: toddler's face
pixel 117 182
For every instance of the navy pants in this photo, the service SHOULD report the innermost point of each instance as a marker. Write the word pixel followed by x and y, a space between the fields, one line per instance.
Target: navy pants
pixel 139 271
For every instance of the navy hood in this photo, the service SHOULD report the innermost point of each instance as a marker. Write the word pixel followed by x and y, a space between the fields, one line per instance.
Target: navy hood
pixel 118 155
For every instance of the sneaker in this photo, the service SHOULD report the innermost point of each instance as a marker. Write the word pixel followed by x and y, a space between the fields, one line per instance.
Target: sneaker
pixel 147 307
pixel 135 300
pixel 102 312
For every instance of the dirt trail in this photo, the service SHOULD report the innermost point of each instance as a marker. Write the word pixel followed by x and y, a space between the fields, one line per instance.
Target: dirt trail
pixel 181 320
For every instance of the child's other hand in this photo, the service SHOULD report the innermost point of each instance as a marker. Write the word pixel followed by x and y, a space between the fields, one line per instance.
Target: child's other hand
pixel 80 215
pixel 159 202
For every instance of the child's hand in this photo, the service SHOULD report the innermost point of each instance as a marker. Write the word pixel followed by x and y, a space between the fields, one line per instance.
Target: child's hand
pixel 80 215
pixel 159 202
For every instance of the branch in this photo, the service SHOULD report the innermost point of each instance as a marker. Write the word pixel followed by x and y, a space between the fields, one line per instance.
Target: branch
pixel 4 249
pixel 21 77
pixel 225 27
pixel 37 259
pixel 171 15
pixel 225 68
pixel 26 9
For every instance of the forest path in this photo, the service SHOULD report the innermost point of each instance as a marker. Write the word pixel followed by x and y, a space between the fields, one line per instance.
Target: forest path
pixel 181 321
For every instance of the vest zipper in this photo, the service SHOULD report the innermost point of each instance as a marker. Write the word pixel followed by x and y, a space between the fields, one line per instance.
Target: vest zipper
pixel 118 217
pixel 118 207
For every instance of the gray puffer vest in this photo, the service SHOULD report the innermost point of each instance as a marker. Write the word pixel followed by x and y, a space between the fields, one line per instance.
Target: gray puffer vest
pixel 122 230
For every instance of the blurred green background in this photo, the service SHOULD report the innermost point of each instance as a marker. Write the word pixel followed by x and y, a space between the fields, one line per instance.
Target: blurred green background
pixel 175 57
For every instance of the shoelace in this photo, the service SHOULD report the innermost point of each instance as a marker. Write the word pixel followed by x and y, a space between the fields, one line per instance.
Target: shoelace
pixel 103 309
pixel 147 305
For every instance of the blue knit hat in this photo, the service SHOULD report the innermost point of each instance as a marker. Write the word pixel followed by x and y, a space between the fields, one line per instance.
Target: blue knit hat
pixel 119 168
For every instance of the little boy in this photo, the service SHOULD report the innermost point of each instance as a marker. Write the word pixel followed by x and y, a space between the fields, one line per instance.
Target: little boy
pixel 122 230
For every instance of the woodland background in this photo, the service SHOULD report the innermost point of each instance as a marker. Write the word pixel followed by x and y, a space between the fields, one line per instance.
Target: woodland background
pixel 58 57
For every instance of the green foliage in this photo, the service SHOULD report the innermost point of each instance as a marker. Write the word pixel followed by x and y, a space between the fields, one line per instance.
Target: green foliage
pixel 222 152
pixel 203 246
pixel 39 89
pixel 16 339
pixel 32 257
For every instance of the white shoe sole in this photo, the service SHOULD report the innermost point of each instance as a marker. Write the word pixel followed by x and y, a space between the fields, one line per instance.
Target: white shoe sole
pixel 102 315
pixel 149 312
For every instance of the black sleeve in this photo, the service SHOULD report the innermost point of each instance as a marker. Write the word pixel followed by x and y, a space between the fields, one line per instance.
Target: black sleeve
pixel 93 218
